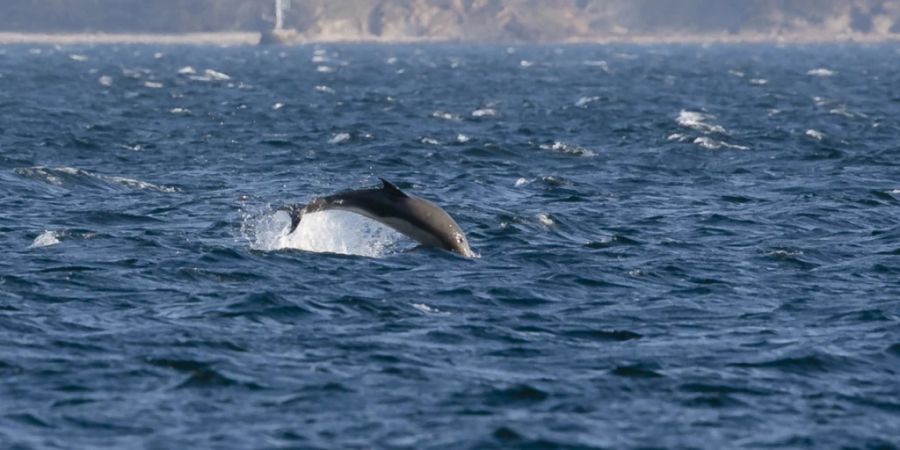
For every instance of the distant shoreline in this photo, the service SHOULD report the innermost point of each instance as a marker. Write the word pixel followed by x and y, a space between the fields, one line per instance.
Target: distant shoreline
pixel 252 38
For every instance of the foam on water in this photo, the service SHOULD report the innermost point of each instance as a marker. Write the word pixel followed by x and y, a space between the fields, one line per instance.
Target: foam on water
pixel 568 149
pixel 339 138
pixel 45 239
pixel 712 144
pixel 322 232
pixel 62 176
pixel 820 72
pixel 815 134
pixel 698 121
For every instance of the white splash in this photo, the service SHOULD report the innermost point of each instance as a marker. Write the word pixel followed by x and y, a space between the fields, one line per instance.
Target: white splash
pixel 568 149
pixel 484 112
pixel 215 75
pixel 698 121
pixel 444 115
pixel 820 72
pixel 545 219
pixel 339 138
pixel 712 144
pixel 815 134
pixel 584 101
pixel 522 182
pixel 45 239
pixel 425 308
pixel 322 232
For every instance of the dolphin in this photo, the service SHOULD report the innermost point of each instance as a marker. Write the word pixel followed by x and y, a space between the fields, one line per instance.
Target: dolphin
pixel 415 217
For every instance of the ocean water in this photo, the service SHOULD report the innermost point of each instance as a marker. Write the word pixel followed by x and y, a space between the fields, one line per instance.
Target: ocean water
pixel 678 247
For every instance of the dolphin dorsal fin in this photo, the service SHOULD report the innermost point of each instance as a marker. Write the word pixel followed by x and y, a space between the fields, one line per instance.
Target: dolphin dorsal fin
pixel 391 189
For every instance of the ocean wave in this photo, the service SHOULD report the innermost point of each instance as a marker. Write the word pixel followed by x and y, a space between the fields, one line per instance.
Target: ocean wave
pixel 71 176
pixel 698 121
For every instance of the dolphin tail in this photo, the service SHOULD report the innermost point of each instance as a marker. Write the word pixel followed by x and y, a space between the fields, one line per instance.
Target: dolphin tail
pixel 296 213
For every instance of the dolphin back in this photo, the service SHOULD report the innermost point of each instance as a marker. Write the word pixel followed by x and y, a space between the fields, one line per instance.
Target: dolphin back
pixel 412 216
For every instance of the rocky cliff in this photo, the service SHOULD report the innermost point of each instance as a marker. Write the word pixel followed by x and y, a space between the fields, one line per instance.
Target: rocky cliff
pixel 466 20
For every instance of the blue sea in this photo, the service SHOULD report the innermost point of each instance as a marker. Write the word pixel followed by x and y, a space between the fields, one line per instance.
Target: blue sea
pixel 678 246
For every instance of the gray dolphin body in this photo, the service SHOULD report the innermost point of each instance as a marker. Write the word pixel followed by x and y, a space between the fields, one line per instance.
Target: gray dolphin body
pixel 412 216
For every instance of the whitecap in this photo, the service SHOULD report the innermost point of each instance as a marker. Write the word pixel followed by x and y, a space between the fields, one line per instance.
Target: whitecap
pixel 820 72
pixel 215 75
pixel 522 182
pixel 815 134
pixel 153 85
pixel 392 60
pixel 325 89
pixel 105 80
pixel 277 106
pixel 759 81
pixel 180 111
pixel 187 70
pixel 133 73
pixel 79 58
pixel 316 59
pixel 339 138
pixel 712 144
pixel 598 63
pixel 677 137
pixel 841 111
pixel 736 73
pixel 462 139
pixel 545 219
pixel 525 63
pixel 444 115
pixel 324 69
pixel 158 55
pixel 45 239
pixel 56 175
pixel 484 112
pixel 582 102
pixel 568 149
pixel 697 121
pixel 425 308
pixel 430 141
